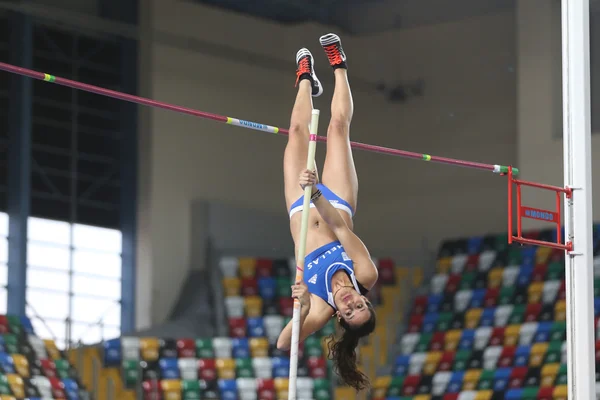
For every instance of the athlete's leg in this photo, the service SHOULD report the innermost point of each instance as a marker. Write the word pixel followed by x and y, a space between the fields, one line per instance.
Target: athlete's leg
pixel 296 151
pixel 339 173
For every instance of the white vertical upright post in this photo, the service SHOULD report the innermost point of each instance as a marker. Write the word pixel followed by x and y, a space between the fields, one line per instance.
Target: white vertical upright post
pixel 578 210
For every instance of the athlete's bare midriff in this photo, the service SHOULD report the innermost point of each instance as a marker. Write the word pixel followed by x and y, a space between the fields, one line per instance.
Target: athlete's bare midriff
pixel 318 234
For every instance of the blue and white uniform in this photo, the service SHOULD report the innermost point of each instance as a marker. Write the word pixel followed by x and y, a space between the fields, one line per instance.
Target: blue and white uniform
pixel 322 264
pixel 335 200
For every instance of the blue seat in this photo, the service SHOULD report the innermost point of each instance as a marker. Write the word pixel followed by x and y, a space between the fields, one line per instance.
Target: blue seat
pixel 255 327
pixel 487 317
pixel 528 254
pixel 562 234
pixel 6 363
pixel 281 367
pixel 401 366
pixel 543 332
pixel 267 288
pixel 456 382
pixel 2 344
pixel 430 322
pixel 71 395
pixel 522 356
pixel 467 339
pixel 524 276
pixel 433 302
pixel 240 348
pixel 477 298
pixel 514 394
pixel 112 353
pixel 501 377
pixel 596 306
pixel 70 384
pixel 169 368
pixel 27 325
pixel 474 244
pixel 228 389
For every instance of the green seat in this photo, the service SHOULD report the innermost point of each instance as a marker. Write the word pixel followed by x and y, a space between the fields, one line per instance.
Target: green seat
pixel 554 352
pixel 243 368
pixel 506 295
pixel 321 389
pixel 284 287
pixel 486 380
pixel 395 388
pixel 561 376
pixel 204 348
pixel 131 375
pixel 444 321
pixel 514 255
pixel 518 314
pixel 14 324
pixel 62 368
pixel 467 280
pixel 190 389
pixel 4 386
pixel 461 360
pixel 558 331
pixel 501 242
pixel 556 270
pixel 328 329
pixel 423 344
pixel 312 347
pixel 529 393
pixel 12 343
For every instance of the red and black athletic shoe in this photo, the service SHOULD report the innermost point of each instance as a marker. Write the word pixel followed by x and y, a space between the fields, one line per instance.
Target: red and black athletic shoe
pixel 306 70
pixel 332 44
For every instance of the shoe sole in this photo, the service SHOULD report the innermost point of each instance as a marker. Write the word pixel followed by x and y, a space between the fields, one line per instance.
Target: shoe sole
pixel 303 53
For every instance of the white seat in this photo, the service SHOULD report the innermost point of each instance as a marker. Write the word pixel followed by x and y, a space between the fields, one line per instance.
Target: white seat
pixel 467 395
pixel 263 367
pixel 509 276
pixel 438 283
pixel 247 388
pixel 491 356
pixel 440 382
pixel 550 291
pixel 229 266
pixel 292 265
pixel 188 368
pixel 597 266
pixel 273 326
pixel 234 306
pixel 462 299
pixel 409 341
pixel 415 365
pixel 597 390
pixel 43 385
pixel 502 314
pixel 527 333
pixel 37 344
pixel 131 348
pixel 486 260
pixel 222 347
pixel 482 337
pixel 563 355
pixel 304 388
pixel 458 263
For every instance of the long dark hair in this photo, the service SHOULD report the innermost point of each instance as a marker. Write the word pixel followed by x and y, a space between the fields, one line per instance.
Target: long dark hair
pixel 343 351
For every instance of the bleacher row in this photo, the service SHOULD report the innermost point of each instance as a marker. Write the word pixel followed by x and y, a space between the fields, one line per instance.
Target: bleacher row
pixel 491 327
pixel 33 368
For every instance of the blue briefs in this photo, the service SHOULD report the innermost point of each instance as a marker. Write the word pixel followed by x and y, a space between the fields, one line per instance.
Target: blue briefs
pixel 335 200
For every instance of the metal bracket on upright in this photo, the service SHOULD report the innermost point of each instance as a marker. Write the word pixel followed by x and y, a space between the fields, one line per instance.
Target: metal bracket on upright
pixel 537 213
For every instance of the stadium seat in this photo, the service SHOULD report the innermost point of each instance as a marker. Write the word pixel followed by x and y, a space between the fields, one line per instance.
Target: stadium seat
pixel 225 368
pixel 188 368
pixel 232 286
pixel 171 389
pixel 229 266
pixel 255 327
pixel 222 347
pixel 247 267
pixel 204 348
pixel 247 388
pixel 186 348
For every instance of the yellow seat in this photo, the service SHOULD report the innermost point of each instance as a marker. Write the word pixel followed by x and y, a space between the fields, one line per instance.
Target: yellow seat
pixel 247 267
pixel 431 362
pixel 232 286
pixel 225 368
pixel 444 264
pixel 495 278
pixel 149 348
pixel 560 311
pixel 417 276
pixel 548 374
pixel 401 273
pixel 17 386
pixel 538 352
pixel 344 393
pixel 471 378
pixel 171 389
pixel 422 397
pixel 484 395
pixel 511 335
pixel 21 365
pixel 535 291
pixel 259 347
pixel 380 386
pixel 542 254
pixel 52 350
pixel 7 397
pixel 560 392
pixel 325 344
pixel 281 388
pixel 472 318
pixel 253 306
pixel 451 339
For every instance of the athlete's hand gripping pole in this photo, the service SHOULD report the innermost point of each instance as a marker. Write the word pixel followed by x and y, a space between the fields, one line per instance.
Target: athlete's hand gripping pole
pixel 310 163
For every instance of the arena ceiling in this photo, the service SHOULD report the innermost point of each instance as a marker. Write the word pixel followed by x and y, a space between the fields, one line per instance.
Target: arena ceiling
pixel 364 16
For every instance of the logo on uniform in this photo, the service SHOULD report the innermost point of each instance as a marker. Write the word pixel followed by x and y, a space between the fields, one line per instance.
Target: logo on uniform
pixel 313 279
pixel 345 256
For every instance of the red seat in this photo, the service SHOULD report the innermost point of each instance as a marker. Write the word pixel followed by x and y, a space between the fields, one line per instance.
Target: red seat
pixel 420 305
pixel 452 283
pixel 152 390
pixel 562 291
pixel 3 324
pixel 472 263
pixel 539 273
pixel 58 388
pixel 266 389
pixel 317 367
pixel 507 356
pixel 186 348
pixel 264 268
pixel 207 369
pixel 437 341
pixel 534 235
pixel 386 271
pixel 517 377
pixel 237 327
pixel 491 297
pixel 545 393
pixel 446 361
pixel 497 336
pixel 532 311
pixel 415 323
pixel 451 396
pixel 286 306
pixel 557 255
pixel 597 350
pixel 410 385
pixel 249 287
pixel 48 367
